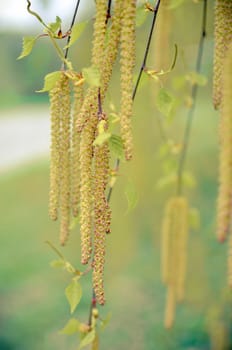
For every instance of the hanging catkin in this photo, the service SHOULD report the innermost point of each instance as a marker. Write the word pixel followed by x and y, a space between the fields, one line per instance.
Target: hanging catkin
pixel 174 252
pixel 230 261
pixel 65 160
pixel 223 38
pixel 55 99
pixel 78 100
pixel 101 207
pixel 162 37
pixel 225 161
pixel 127 62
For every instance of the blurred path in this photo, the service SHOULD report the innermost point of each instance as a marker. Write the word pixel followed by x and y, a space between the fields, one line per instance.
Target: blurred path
pixel 24 135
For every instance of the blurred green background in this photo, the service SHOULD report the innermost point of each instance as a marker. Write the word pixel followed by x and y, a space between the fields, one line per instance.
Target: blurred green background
pixel 32 303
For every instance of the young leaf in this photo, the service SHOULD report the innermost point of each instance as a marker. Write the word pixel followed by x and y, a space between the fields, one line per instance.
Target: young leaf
pixel 141 16
pixel 88 339
pixel 102 138
pixel 116 146
pixel 188 179
pixel 196 79
pixel 58 263
pixel 132 197
pixel 71 327
pixel 95 344
pixel 165 102
pixel 166 181
pixel 50 81
pixel 106 321
pixel 77 30
pixel 92 75
pixel 73 294
pixel 55 25
pixel 28 43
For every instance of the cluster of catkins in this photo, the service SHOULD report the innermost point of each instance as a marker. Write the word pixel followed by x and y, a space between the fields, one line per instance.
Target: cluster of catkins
pixel 79 167
pixel 222 97
pixel 174 253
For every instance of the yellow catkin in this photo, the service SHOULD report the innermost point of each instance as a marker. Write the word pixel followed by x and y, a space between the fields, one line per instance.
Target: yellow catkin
pixel 170 308
pixel 112 46
pixel 54 96
pixel 230 262
pixel 223 38
pixel 101 224
pixel 127 64
pixel 78 100
pixel 65 160
pixel 182 240
pixel 225 158
pixel 86 154
pixel 162 37
pixel 99 33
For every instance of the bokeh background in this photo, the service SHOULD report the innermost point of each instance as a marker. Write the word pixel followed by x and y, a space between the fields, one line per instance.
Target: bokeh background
pixel 33 307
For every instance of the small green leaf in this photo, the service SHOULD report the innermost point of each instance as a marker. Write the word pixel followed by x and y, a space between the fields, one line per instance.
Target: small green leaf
pixel 73 294
pixel 95 344
pixel 69 268
pixel 102 138
pixel 77 30
pixel 50 81
pixel 166 181
pixel 188 179
pixel 116 146
pixel 71 327
pixel 141 16
pixel 194 219
pixel 196 79
pixel 106 321
pixel 132 196
pixel 58 263
pixel 54 26
pixel 28 43
pixel 92 75
pixel 165 102
pixel 88 339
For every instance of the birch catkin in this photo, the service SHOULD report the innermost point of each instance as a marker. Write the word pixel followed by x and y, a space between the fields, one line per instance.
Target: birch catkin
pixel 174 253
pixel 223 38
pixel 54 96
pixel 101 161
pixel 225 160
pixel 78 100
pixel 65 137
pixel 127 64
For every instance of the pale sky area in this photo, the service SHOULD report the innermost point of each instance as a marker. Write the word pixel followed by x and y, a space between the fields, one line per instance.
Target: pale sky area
pixel 14 15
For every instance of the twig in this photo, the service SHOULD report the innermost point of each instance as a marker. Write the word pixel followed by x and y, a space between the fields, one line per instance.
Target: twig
pixel 70 29
pixel 190 116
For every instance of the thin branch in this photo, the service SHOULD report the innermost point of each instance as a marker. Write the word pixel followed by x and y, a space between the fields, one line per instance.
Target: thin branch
pixel 190 116
pixel 147 49
pixel 108 14
pixel 70 29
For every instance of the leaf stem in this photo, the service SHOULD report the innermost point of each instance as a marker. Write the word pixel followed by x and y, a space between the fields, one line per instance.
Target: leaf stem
pixel 190 116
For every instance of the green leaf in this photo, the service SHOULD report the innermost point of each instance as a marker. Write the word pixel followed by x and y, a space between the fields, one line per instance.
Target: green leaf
pixel 95 344
pixel 116 146
pixel 196 79
pixel 28 44
pixel 54 26
pixel 106 321
pixel 58 263
pixel 102 138
pixel 92 75
pixel 194 219
pixel 50 81
pixel 71 327
pixel 77 30
pixel 166 181
pixel 141 16
pixel 88 339
pixel 132 197
pixel 165 102
pixel 73 294
pixel 188 179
